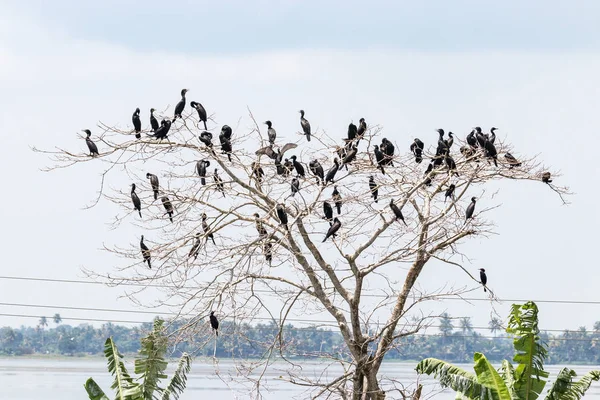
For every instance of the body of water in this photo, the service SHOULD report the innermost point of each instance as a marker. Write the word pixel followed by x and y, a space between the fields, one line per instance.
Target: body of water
pixel 34 379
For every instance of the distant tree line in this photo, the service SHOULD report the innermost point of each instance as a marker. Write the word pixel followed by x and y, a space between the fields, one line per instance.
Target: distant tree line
pixel 456 341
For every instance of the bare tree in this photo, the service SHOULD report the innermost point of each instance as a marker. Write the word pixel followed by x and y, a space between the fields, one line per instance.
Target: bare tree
pixel 242 273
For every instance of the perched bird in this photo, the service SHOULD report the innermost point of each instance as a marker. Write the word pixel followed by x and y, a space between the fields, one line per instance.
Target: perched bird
pixel 352 132
pixel 450 140
pixel 427 174
pixel 145 252
pixel 490 151
pixel 471 140
pixel 267 249
pixel 201 169
pixel 442 147
pixel 295 185
pixel 205 229
pixel 180 106
pixel 195 247
pixel 262 231
pixel 362 128
pixel 225 139
pixel 480 137
pixel 416 148
pixel 493 135
pixel 299 168
pixel 305 125
pixel 373 187
pixel 271 133
pixel 342 152
pixel 317 170
pixel 467 151
pixel 282 215
pixel 219 183
pixel 288 167
pixel 91 145
pixel 137 124
pixel 275 155
pixel 388 150
pixel 450 164
pixel 450 192
pixel 337 199
pixel 137 204
pixel 201 112
pixel 546 177
pixel 153 120
pixel 332 171
pixel 350 156
pixel 483 278
pixel 379 157
pixel 257 172
pixel 328 211
pixel 333 229
pixel 214 323
pixel 397 211
pixel 206 138
pixel 154 183
pixel 168 207
pixel 512 161
pixel 470 209
pixel 163 130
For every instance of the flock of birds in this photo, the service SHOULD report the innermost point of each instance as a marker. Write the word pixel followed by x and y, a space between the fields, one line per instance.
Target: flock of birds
pixel 478 144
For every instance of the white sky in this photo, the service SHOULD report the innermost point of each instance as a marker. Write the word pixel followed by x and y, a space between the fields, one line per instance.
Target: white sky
pixel 54 82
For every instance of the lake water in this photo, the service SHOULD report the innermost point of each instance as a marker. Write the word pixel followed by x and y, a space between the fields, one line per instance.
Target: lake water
pixel 34 379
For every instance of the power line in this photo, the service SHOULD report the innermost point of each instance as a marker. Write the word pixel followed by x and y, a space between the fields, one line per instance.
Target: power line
pixel 153 285
pixel 166 313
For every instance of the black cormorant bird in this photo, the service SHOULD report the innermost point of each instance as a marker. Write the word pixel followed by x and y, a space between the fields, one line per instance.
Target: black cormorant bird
pixel 195 247
pixel 480 137
pixel 288 167
pixel 450 192
pixel 295 185
pixel 153 120
pixel 493 134
pixel 546 177
pixel 428 174
pixel 201 168
pixel 337 199
pixel 362 128
pixel 305 125
pixel 450 140
pixel 397 211
pixel 379 157
pixel 271 133
pixel 282 215
pixel 388 150
pixel 206 138
pixel 163 130
pixel 201 112
pixel 205 229
pixel 219 183
pixel 451 164
pixel 373 187
pixel 471 209
pixel 91 145
pixel 416 148
pixel 490 151
pixel 352 132
pixel 262 231
pixel 317 170
pixel 512 161
pixel 275 155
pixel 328 211
pixel 145 252
pixel 332 171
pixel 257 172
pixel 350 156
pixel 483 278
pixel 180 106
pixel 214 323
pixel 225 139
pixel 267 249
pixel 154 183
pixel 168 206
pixel 471 140
pixel 137 204
pixel 333 229
pixel 442 147
pixel 299 168
pixel 137 124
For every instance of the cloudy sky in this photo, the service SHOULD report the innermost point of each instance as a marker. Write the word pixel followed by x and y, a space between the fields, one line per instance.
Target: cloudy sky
pixel 529 68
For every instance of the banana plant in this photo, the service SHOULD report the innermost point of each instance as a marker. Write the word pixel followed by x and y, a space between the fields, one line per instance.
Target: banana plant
pixel 526 381
pixel 150 367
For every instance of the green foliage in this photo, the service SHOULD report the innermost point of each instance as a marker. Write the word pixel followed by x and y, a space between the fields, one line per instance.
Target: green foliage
pixel 150 366
pixel 526 381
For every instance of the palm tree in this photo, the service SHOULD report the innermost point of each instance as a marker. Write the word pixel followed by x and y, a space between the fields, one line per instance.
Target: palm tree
pixel 526 381
pixel 465 325
pixel 150 367
pixel 43 322
pixel 446 325
pixel 495 325
pixel 57 319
